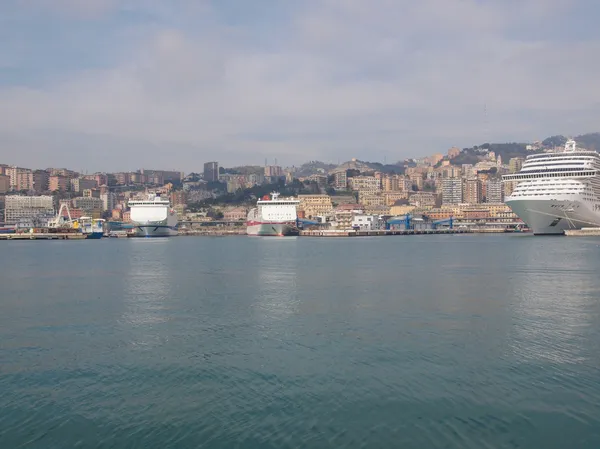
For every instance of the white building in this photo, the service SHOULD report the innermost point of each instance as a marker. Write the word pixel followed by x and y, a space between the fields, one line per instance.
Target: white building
pixel 367 223
pixel 27 208
pixel 494 191
pixel 109 200
pixel 452 191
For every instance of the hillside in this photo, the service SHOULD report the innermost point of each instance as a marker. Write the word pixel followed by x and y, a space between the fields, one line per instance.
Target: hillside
pixel 514 149
pixel 590 141
pixel 313 168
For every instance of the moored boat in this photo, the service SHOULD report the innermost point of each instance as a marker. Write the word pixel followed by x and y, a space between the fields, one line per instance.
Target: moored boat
pixel 273 217
pixel 557 191
pixel 153 217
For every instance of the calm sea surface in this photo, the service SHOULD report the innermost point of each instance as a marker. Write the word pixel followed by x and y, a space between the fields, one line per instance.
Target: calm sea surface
pixel 464 341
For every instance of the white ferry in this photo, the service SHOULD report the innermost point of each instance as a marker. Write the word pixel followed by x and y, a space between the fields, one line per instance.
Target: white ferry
pixel 273 217
pixel 557 191
pixel 153 217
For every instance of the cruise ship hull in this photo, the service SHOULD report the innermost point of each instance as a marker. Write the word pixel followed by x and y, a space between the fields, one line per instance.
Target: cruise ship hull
pixel 271 229
pixel 165 228
pixel 554 216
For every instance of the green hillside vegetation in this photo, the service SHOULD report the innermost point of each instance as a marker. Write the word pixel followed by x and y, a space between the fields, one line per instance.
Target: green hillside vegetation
pixel 590 141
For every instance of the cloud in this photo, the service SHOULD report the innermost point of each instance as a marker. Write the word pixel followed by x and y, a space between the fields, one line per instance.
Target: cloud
pixel 321 79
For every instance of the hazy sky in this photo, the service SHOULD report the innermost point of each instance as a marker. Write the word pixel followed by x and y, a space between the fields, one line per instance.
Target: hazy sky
pixel 123 84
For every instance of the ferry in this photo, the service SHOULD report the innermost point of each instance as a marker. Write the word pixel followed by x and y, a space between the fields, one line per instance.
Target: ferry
pixel 153 217
pixel 273 217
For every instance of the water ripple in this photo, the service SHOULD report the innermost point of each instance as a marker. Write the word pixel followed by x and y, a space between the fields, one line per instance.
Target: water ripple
pixel 469 342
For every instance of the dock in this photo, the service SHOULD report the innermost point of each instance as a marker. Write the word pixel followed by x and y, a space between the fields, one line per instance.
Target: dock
pixel 43 236
pixel 583 232
pixel 380 233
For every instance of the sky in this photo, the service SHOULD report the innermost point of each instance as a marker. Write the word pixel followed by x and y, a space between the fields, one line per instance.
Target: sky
pixel 101 85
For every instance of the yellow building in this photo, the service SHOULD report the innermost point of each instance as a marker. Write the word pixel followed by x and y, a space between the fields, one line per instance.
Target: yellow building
pixel 365 184
pixel 315 205
pixel 371 200
pixel 391 197
pixel 401 210
pixel 377 210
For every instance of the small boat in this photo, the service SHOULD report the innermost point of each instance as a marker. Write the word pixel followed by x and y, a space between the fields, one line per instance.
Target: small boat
pixel 92 228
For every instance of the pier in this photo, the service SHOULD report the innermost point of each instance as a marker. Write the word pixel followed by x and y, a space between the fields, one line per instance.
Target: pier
pixel 380 233
pixel 583 232
pixel 43 236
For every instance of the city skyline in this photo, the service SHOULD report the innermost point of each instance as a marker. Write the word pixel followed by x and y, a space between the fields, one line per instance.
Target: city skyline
pixel 107 85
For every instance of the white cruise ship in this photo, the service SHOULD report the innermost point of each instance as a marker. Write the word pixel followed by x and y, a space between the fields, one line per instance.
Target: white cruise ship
pixel 153 217
pixel 273 217
pixel 557 191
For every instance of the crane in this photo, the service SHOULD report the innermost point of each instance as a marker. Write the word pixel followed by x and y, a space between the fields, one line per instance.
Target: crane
pixel 59 221
pixel 400 220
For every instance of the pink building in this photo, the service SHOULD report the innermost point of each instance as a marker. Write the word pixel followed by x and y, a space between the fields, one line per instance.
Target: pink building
pixel 235 214
pixel 58 183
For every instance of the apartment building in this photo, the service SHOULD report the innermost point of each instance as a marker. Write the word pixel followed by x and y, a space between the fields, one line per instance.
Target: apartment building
pixel 340 180
pixel 315 205
pixel 18 208
pixel 494 191
pixel 78 185
pixel 88 204
pixel 58 183
pixel 472 192
pixel 365 184
pixel 452 191
pixel 4 184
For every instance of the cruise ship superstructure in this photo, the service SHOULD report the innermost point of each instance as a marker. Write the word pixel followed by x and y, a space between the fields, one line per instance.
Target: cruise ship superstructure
pixel 273 217
pixel 153 217
pixel 557 191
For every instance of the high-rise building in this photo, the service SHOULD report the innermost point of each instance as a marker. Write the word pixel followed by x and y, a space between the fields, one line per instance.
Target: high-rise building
pixel 495 191
pixel 109 200
pixel 472 191
pixel 273 171
pixel 40 181
pixel 24 179
pixel 58 183
pixel 4 184
pixel 211 171
pixel 340 180
pixel 452 191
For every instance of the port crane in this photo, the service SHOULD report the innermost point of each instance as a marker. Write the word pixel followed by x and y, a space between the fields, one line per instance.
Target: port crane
pixel 400 220
pixel 446 221
pixel 60 221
